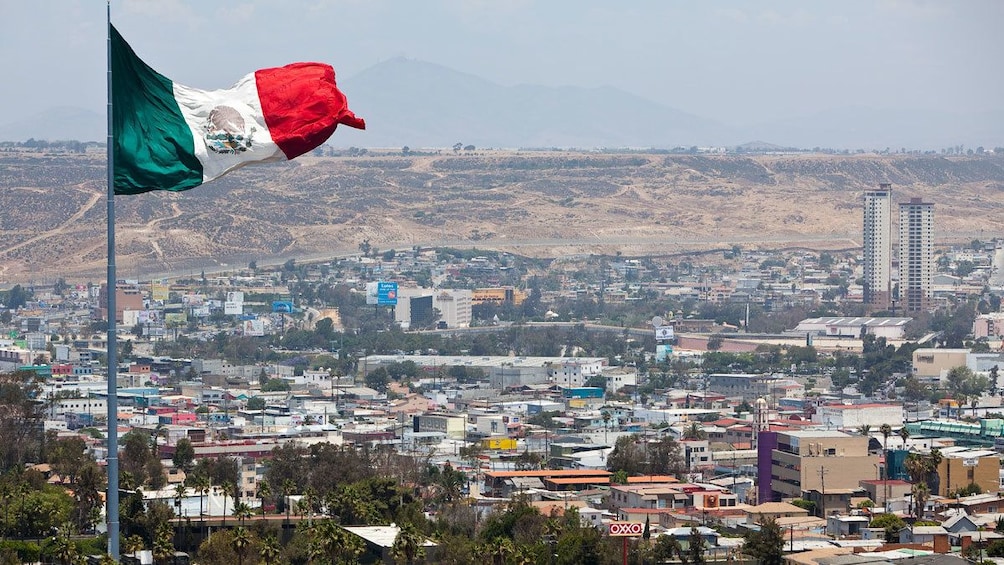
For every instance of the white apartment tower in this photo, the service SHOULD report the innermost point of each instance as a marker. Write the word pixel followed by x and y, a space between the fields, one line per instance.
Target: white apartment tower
pixel 877 241
pixel 916 253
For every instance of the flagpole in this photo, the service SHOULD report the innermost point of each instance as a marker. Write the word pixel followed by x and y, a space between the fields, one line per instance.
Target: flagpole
pixel 112 494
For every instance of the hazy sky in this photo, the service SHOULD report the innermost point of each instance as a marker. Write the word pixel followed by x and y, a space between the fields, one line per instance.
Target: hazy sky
pixel 736 61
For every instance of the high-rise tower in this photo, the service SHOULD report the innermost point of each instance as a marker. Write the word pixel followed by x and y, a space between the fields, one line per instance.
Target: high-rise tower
pixel 916 253
pixel 877 240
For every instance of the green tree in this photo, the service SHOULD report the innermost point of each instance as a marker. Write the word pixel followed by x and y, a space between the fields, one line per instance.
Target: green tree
pixel 378 379
pixel 696 547
pixel 891 523
pixel 21 419
pixel 765 545
pixel 184 455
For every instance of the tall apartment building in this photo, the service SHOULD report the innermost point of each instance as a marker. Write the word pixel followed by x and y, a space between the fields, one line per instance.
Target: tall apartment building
pixel 877 240
pixel 916 253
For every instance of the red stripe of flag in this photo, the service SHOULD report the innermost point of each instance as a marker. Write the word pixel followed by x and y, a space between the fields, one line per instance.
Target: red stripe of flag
pixel 302 106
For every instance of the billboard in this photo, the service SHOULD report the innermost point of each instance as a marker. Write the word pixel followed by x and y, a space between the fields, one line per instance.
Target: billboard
pixel 387 293
pixel 176 317
pixel 662 351
pixel 148 317
pixel 193 299
pixel 381 293
pixel 201 312
pixel 235 297
pixel 664 332
pixel 254 328
pixel 233 308
pixel 160 291
pixel 282 307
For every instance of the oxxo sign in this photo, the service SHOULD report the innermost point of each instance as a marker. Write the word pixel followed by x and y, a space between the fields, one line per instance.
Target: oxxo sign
pixel 626 529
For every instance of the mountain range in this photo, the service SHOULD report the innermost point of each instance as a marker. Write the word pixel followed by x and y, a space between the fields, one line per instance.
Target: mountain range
pixel 422 104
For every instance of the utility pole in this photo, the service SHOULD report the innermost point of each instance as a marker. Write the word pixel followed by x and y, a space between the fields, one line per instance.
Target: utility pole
pixel 822 486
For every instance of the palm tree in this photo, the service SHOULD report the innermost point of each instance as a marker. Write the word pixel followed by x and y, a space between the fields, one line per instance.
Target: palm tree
pixel 501 548
pixel 270 550
pixel 241 540
pixel 163 547
pixel 865 430
pixel 904 434
pixel 886 431
pixel 132 544
pixel 606 424
pixel 264 491
pixel 287 489
pixel 693 432
pixel 920 494
pixel 201 484
pixel 65 551
pixel 329 540
pixel 242 511
pixel 179 495
pixel 226 489
pixel 408 545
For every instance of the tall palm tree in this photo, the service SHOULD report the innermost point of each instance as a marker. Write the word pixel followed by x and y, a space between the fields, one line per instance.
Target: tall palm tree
pixel 606 424
pixel 288 488
pixel 179 494
pixel 886 431
pixel 201 484
pixel 264 492
pixel 904 434
pixel 228 489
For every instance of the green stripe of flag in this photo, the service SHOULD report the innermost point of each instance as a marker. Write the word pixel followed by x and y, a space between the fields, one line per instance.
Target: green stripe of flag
pixel 154 149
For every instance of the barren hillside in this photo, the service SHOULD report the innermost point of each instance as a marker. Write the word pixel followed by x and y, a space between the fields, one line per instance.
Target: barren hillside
pixel 543 204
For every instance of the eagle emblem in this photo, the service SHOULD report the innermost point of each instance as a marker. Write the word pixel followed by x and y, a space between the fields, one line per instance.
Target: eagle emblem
pixel 226 132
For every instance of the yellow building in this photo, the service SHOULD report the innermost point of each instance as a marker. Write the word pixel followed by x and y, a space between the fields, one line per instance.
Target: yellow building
pixel 961 467
pixel 498 295
pixel 826 461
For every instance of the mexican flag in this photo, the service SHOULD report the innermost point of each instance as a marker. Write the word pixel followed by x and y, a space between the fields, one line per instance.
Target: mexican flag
pixel 169 136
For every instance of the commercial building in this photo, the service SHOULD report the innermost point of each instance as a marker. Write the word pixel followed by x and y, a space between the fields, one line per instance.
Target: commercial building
pixel 749 387
pixel 916 254
pixel 877 242
pixel 127 297
pixel 853 416
pixel 889 328
pixel 931 365
pixel 961 467
pixel 454 308
pixel 498 295
pixel 989 325
pixel 819 460
pixel 453 426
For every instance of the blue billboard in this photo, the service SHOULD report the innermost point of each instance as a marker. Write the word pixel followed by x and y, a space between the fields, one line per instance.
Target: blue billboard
pixel 387 294
pixel 280 306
